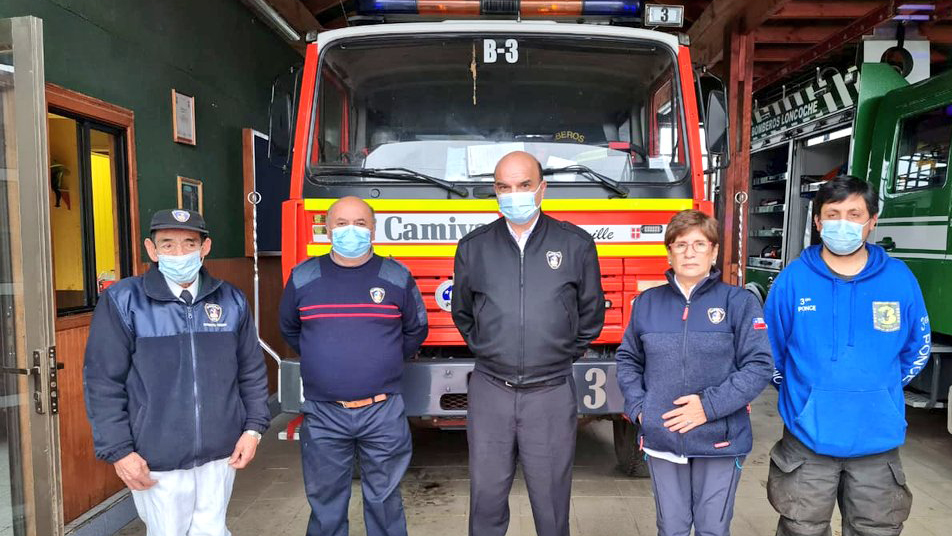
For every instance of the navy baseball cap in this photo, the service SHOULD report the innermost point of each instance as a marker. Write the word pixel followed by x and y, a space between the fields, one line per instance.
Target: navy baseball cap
pixel 178 219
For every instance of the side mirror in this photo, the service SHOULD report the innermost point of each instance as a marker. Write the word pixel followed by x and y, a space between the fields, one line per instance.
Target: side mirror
pixel 712 95
pixel 281 118
pixel 715 128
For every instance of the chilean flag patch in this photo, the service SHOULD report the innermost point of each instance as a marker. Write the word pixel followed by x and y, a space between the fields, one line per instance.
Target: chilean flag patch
pixel 759 323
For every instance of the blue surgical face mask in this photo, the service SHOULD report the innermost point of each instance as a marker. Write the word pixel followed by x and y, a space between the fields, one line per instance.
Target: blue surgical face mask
pixel 519 207
pixel 350 241
pixel 181 269
pixel 842 237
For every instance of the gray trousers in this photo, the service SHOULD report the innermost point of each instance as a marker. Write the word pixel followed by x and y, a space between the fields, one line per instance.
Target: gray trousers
pixel 534 426
pixel 803 487
pixel 700 493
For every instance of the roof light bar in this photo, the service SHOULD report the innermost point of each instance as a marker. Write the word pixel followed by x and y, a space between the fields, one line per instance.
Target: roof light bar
pixel 522 8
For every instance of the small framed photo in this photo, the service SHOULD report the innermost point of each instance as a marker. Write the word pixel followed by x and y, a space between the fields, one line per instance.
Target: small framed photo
pixel 183 118
pixel 190 194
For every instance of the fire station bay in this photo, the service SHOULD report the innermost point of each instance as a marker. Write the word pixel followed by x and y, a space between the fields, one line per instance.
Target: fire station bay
pixel 475 267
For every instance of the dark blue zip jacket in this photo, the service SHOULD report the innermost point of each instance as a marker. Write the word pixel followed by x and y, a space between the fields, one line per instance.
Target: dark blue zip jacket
pixel 177 384
pixel 713 345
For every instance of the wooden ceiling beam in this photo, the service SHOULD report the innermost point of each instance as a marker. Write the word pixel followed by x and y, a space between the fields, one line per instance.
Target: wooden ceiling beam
pixel 794 34
pixel 938 34
pixel 827 44
pixel 824 10
pixel 707 33
pixel 777 54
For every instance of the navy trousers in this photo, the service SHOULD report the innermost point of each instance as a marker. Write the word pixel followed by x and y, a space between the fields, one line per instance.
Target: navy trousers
pixel 700 493
pixel 330 435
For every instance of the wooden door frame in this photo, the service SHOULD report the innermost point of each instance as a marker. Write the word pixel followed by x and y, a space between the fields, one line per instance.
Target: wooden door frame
pixel 123 119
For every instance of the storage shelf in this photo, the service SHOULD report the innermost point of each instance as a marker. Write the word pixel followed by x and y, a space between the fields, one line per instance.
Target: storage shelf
pixel 770 180
pixel 767 233
pixel 779 208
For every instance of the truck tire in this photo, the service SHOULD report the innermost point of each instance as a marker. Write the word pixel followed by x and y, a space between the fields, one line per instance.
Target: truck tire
pixel 631 461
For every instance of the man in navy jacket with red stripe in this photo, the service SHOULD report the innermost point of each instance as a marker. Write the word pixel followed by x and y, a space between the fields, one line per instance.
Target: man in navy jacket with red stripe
pixel 354 317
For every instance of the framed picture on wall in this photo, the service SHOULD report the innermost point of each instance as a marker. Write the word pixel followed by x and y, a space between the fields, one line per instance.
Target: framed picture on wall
pixel 190 194
pixel 183 118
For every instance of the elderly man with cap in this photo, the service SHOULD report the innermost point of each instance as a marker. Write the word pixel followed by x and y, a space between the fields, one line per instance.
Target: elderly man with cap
pixel 353 317
pixel 527 297
pixel 175 382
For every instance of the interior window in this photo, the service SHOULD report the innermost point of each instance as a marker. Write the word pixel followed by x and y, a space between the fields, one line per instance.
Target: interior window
pixel 87 196
pixel 922 155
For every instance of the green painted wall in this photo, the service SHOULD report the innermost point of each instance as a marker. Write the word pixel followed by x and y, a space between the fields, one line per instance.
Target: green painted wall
pixel 132 53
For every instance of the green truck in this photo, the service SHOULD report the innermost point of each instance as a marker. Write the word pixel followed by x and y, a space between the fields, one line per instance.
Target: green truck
pixel 901 142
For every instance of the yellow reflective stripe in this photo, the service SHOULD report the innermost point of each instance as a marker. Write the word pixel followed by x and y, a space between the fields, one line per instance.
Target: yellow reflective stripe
pixel 489 205
pixel 449 250
pixel 631 250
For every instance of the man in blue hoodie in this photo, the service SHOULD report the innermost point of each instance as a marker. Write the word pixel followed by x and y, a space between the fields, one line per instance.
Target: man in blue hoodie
pixel 849 329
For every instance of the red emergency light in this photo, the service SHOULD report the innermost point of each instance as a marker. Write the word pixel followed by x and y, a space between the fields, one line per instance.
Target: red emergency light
pixel 522 8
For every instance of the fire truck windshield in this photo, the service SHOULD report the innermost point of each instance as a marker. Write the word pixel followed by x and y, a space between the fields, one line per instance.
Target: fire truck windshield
pixel 450 106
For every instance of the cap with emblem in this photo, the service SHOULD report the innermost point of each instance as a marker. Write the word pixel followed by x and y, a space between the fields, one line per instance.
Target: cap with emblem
pixel 178 219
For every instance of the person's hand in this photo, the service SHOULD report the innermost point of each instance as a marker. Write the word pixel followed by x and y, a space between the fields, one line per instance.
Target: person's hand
pixel 134 472
pixel 687 417
pixel 244 451
pixel 639 418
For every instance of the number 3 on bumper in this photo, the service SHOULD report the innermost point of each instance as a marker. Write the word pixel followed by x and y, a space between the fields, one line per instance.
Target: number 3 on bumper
pixel 596 378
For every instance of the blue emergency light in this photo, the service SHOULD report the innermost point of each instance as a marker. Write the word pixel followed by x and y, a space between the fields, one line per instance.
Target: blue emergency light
pixel 523 8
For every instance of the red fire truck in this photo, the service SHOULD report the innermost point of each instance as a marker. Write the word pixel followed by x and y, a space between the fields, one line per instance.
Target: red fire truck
pixel 413 117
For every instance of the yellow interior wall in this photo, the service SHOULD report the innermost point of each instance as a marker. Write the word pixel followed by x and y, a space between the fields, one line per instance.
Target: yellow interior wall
pixel 66 224
pixel 104 221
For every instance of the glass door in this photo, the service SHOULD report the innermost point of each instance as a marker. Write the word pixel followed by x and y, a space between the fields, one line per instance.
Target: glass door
pixel 30 490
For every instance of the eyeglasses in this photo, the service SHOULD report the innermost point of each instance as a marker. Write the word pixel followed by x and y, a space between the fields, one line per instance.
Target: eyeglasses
pixel 701 246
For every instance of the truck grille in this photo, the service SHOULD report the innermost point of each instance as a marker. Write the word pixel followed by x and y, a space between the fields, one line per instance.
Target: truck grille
pixel 454 401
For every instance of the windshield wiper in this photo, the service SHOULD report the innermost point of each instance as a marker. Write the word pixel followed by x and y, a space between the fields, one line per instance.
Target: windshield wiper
pixel 591 174
pixel 397 173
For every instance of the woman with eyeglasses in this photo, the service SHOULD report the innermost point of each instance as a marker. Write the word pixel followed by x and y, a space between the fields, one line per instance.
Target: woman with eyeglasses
pixel 694 355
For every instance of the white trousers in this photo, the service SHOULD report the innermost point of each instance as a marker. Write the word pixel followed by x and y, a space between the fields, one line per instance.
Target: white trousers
pixel 187 502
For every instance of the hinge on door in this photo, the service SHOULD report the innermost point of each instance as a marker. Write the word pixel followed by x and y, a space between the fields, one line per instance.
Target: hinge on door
pixel 38 380
pixel 54 381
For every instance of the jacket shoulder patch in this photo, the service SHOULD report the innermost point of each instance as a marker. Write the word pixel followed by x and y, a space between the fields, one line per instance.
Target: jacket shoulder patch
pixel 306 272
pixel 395 273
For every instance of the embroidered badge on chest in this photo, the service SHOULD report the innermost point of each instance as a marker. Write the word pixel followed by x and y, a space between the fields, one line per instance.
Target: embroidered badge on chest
pixel 214 312
pixel 377 294
pixel 554 258
pixel 886 316
pixel 716 315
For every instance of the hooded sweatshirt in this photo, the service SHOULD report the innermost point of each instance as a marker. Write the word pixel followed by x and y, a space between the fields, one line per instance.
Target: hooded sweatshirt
pixel 844 350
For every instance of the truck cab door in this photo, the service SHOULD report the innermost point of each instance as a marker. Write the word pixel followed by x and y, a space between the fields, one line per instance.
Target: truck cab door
pixel 909 162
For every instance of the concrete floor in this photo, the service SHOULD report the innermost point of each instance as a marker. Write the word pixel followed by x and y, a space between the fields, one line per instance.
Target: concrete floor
pixel 269 496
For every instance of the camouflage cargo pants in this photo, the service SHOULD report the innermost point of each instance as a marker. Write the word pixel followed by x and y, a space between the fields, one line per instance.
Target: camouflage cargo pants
pixel 803 486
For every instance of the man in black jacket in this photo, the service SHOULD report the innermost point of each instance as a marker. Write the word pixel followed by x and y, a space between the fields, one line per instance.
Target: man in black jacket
pixel 527 298
pixel 175 382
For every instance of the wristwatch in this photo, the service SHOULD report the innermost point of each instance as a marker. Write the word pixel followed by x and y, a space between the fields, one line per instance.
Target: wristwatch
pixel 254 434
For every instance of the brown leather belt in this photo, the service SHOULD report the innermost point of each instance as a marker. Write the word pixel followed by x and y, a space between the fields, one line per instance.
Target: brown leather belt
pixel 355 404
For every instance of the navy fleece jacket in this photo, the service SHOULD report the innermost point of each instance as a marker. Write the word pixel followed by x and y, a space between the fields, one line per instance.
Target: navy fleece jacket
pixel 714 345
pixel 844 350
pixel 176 383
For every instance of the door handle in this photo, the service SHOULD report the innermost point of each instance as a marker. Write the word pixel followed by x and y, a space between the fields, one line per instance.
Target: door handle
pixel 887 243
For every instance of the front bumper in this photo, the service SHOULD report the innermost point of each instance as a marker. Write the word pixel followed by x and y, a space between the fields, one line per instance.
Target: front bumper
pixel 436 388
